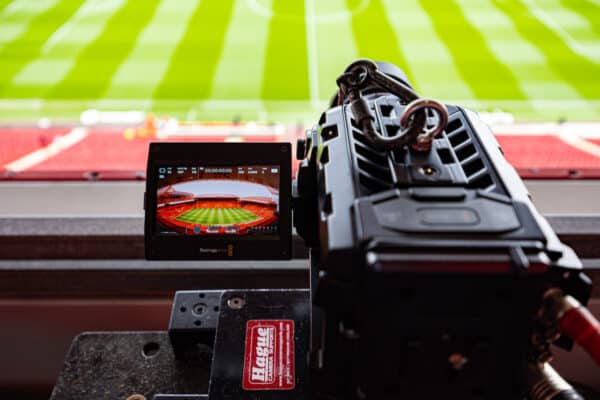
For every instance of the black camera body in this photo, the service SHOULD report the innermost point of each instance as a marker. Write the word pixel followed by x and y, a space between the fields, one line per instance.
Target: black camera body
pixel 429 268
pixel 429 263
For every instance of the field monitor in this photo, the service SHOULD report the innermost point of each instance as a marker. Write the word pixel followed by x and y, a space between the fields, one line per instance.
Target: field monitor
pixel 218 201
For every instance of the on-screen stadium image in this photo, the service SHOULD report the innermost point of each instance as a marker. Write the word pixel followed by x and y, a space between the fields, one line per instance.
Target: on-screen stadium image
pixel 218 200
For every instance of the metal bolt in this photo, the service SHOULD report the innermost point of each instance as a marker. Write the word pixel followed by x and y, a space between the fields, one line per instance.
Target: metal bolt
pixel 235 302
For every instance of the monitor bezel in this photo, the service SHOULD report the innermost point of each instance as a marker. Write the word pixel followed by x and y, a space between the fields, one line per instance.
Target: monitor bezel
pixel 225 247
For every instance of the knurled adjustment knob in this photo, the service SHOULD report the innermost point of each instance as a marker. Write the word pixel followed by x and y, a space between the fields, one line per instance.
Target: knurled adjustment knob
pixel 301 149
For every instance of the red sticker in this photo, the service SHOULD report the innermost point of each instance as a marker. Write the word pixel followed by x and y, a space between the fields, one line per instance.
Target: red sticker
pixel 269 355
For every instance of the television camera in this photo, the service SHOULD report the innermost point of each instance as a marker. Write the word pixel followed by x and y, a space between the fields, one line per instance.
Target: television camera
pixel 432 274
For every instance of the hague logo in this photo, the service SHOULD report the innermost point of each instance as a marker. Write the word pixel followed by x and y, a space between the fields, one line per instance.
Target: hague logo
pixel 269 355
pixel 262 362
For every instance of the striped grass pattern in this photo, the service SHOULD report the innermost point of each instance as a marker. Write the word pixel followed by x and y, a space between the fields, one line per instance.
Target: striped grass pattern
pixel 278 59
pixel 217 216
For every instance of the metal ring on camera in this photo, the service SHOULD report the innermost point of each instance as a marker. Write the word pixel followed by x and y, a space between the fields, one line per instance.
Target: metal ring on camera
pixel 405 135
pixel 423 140
pixel 413 126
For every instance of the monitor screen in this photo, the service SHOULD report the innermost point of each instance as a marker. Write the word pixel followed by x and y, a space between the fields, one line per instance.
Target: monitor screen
pixel 240 200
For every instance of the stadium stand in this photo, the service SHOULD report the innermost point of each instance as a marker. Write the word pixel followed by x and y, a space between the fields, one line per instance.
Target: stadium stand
pixel 19 141
pixel 543 151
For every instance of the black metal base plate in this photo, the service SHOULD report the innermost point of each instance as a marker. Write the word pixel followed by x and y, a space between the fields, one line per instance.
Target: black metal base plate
pixel 120 365
pixel 117 365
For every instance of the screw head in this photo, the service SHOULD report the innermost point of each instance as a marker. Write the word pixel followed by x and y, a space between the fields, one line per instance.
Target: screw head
pixel 428 170
pixel 236 302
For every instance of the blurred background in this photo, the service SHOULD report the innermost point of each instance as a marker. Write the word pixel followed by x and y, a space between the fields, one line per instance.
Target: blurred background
pixel 86 85
pixel 80 78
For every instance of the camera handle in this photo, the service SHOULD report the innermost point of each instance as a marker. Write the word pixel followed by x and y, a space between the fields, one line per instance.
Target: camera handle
pixel 420 122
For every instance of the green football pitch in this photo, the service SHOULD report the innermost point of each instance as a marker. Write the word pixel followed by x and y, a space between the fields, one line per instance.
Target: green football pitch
pixel 278 59
pixel 217 216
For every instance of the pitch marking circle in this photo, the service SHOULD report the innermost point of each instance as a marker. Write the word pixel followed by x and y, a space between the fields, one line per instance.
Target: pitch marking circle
pixel 258 8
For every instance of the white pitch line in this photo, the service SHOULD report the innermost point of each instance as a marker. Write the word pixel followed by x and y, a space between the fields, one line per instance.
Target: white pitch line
pixel 564 35
pixel 329 18
pixel 343 15
pixel 312 58
pixel 59 144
